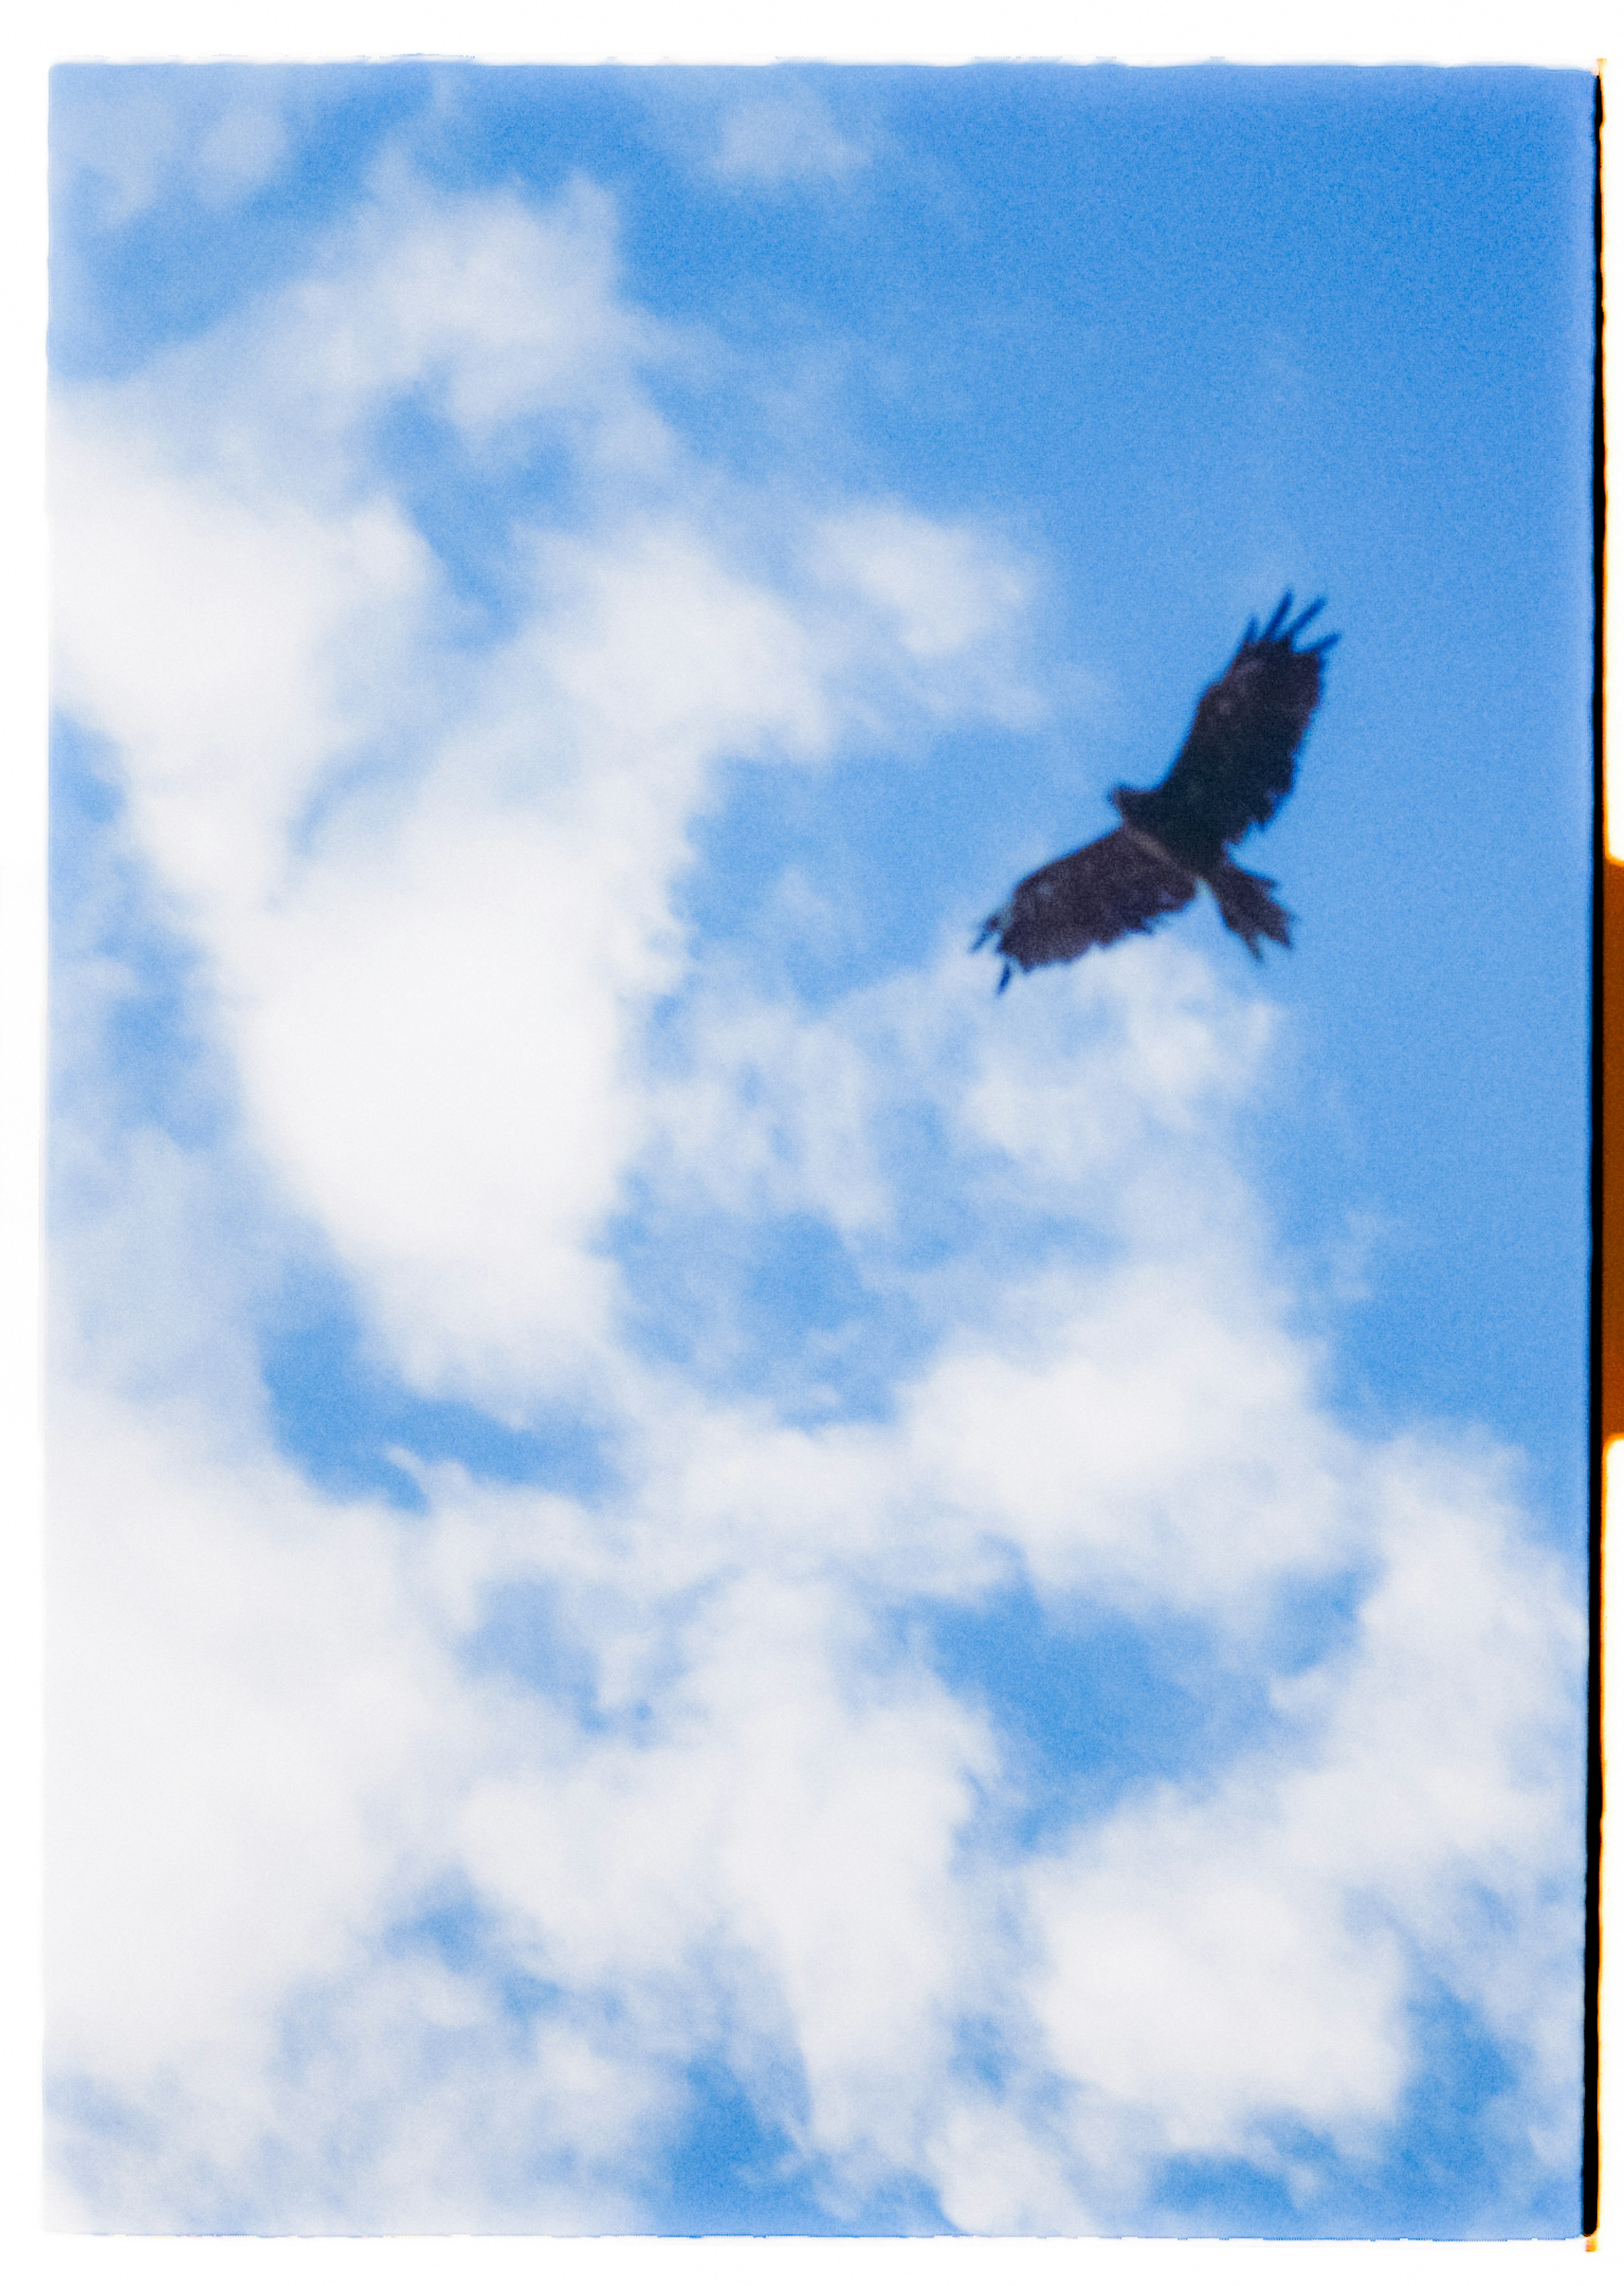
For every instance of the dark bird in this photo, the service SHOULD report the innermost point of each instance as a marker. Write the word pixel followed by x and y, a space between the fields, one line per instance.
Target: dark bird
pixel 1232 772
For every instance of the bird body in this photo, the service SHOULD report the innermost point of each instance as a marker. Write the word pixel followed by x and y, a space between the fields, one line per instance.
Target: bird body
pixel 1232 772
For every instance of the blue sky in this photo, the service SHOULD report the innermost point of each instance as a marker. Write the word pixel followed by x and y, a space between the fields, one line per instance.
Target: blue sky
pixel 852 1606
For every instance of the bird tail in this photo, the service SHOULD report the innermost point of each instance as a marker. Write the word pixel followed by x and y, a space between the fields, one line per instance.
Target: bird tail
pixel 1247 907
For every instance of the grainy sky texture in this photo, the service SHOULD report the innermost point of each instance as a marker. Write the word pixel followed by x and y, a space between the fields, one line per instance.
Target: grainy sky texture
pixel 703 1579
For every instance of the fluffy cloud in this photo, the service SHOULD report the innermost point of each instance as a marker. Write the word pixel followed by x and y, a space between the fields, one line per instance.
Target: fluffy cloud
pixel 405 1866
pixel 213 136
pixel 720 1807
pixel 783 136
pixel 1254 1954
pixel 405 864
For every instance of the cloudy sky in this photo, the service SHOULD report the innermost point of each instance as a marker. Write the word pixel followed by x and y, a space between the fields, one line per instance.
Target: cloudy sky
pixel 704 1579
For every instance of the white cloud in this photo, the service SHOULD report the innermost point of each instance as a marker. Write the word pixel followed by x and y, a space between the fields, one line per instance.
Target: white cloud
pixel 247 1732
pixel 240 150
pixel 490 912
pixel 945 601
pixel 784 136
pixel 137 136
pixel 431 886
pixel 762 1836
pixel 776 1109
pixel 940 588
pixel 218 643
pixel 499 312
pixel 1229 1960
pixel 661 1866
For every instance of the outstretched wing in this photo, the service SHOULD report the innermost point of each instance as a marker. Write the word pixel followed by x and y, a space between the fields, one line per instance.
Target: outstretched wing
pixel 1237 764
pixel 1122 882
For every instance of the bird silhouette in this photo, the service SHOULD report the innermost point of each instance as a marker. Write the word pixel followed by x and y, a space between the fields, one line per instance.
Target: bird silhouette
pixel 1232 773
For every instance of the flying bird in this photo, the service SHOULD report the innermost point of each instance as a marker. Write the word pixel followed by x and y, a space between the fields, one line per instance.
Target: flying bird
pixel 1232 772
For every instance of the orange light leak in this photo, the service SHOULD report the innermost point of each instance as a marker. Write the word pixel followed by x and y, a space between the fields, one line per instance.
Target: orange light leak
pixel 1607 1232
